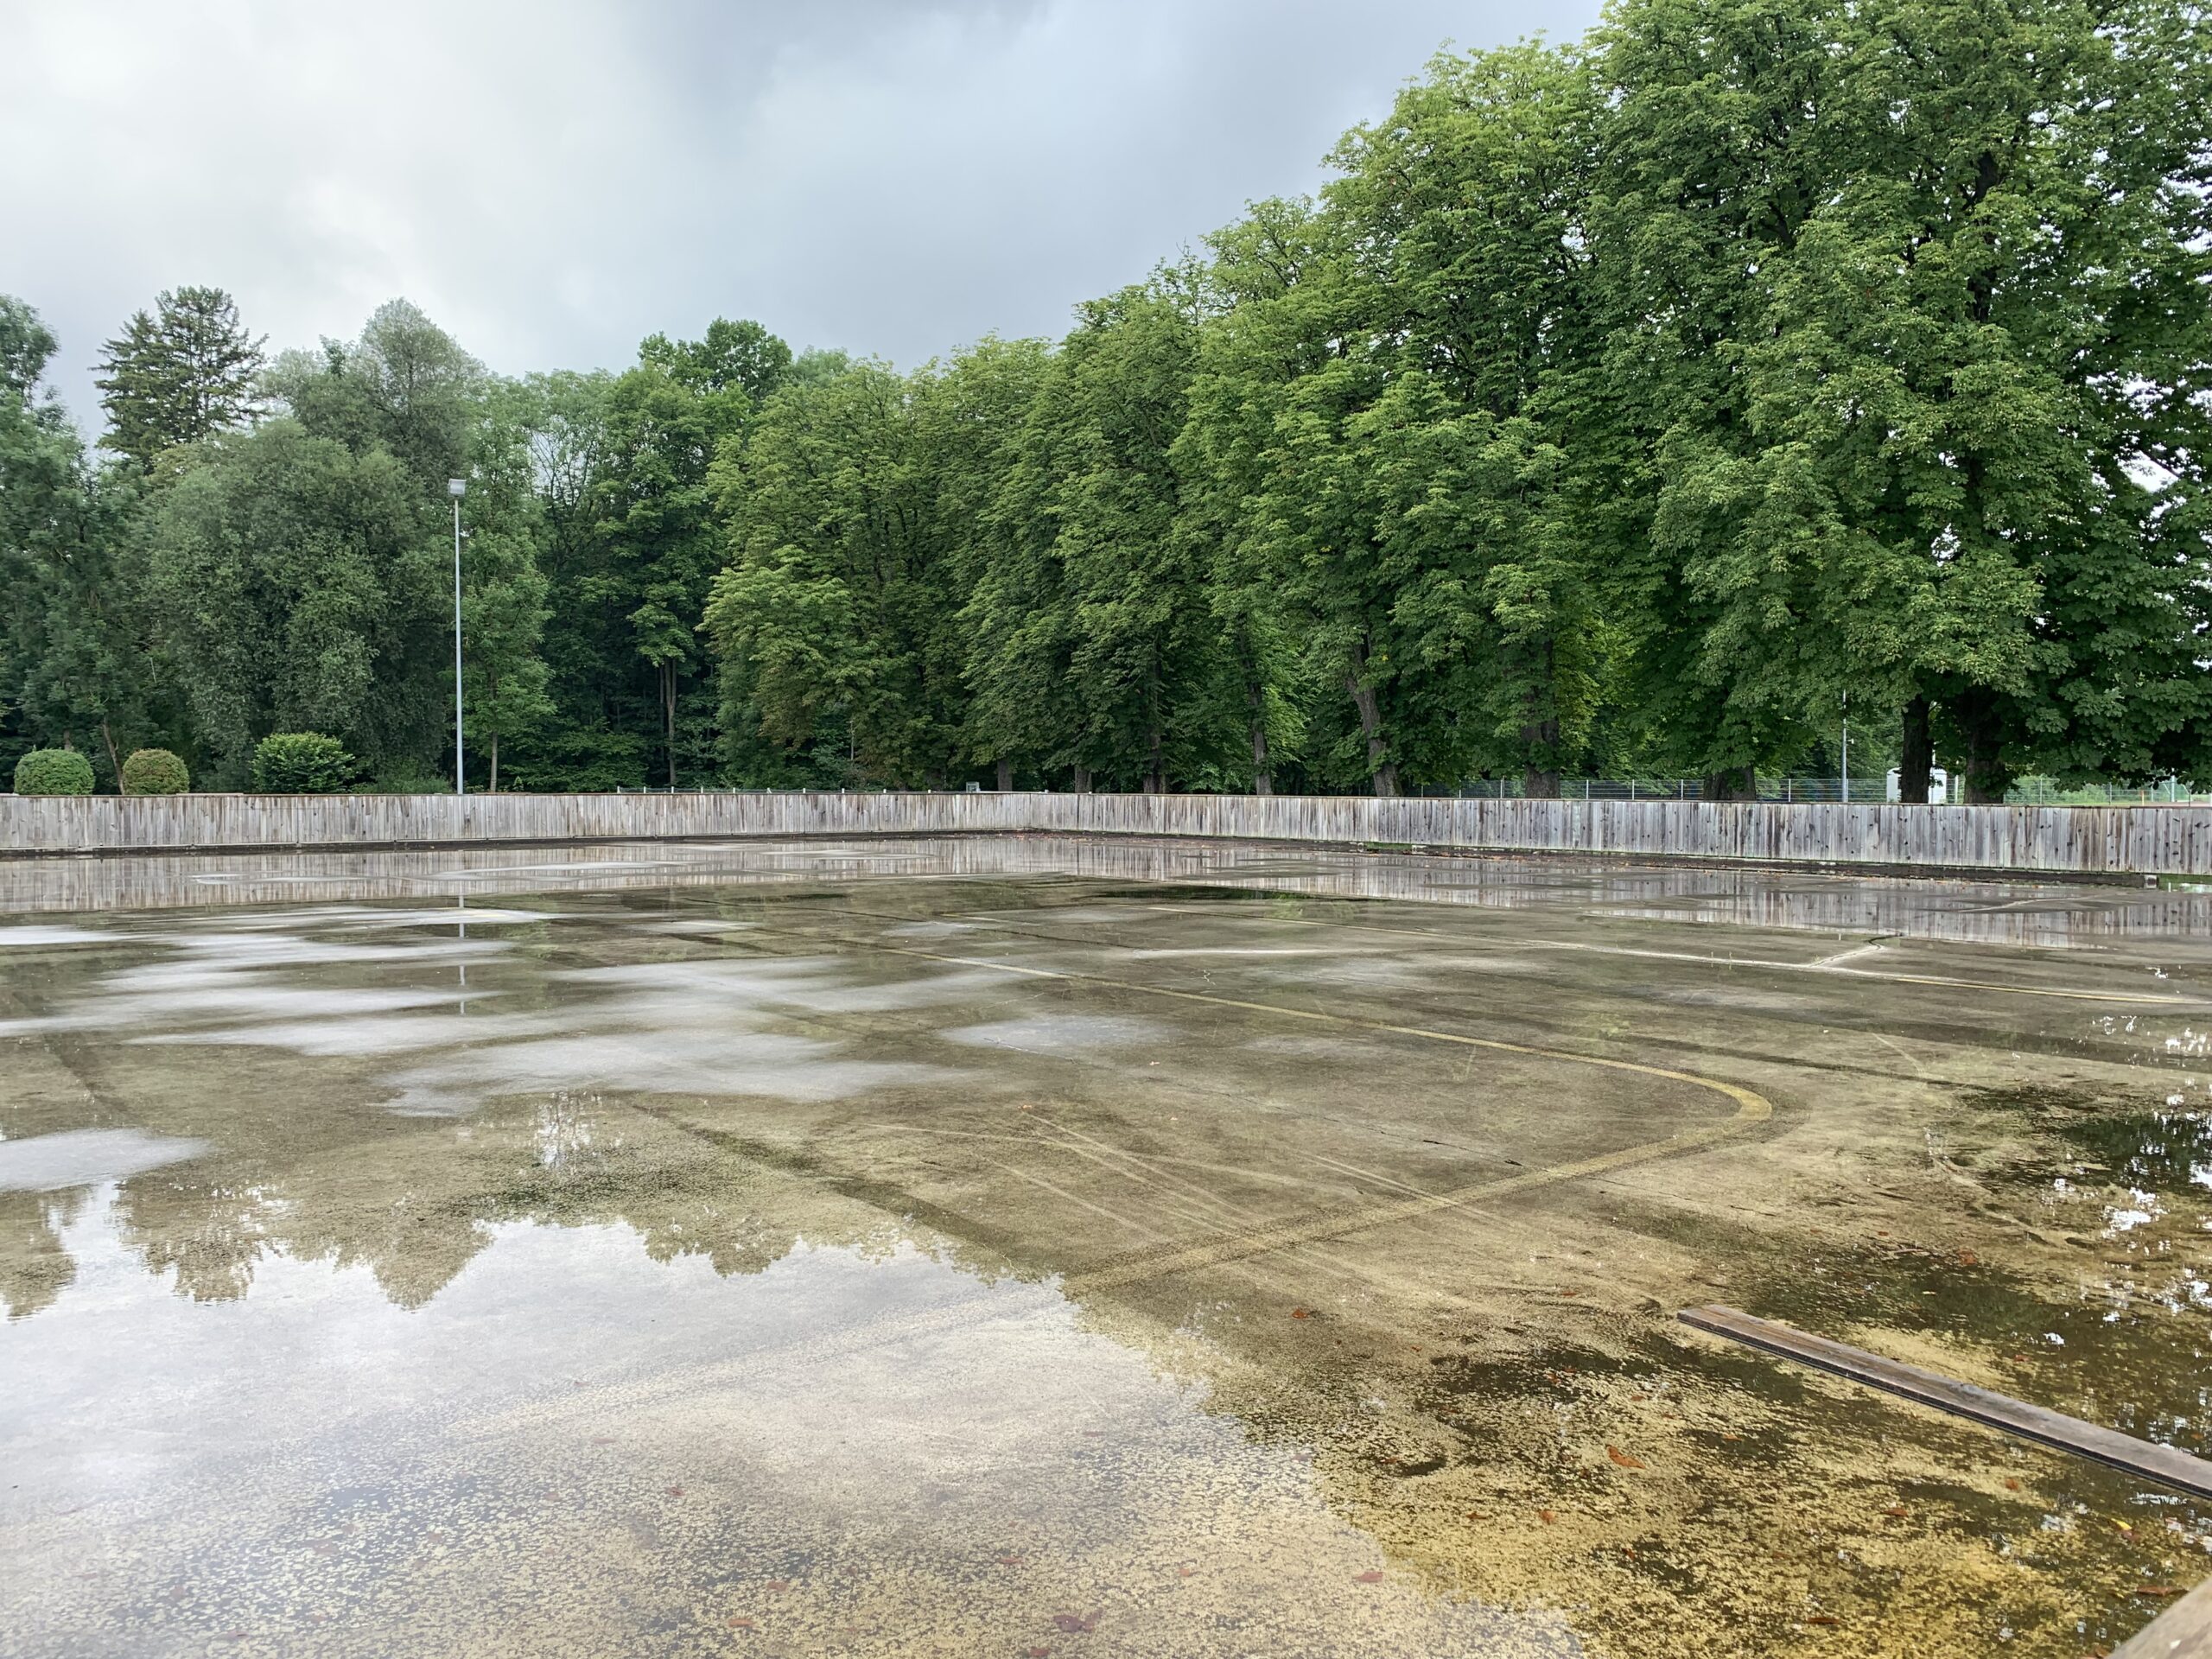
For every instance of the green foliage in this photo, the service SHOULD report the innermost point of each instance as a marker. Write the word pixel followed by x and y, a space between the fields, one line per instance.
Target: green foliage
pixel 302 585
pixel 179 375
pixel 154 772
pixel 27 345
pixel 1632 405
pixel 405 779
pixel 53 771
pixel 1093 646
pixel 854 499
pixel 302 763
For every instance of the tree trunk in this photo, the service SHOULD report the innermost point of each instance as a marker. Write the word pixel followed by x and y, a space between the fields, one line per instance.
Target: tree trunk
pixel 495 765
pixel 668 703
pixel 1732 784
pixel 1006 775
pixel 1263 781
pixel 1156 772
pixel 108 738
pixel 1981 723
pixel 1081 782
pixel 1539 778
pixel 1380 768
pixel 1541 782
pixel 1916 754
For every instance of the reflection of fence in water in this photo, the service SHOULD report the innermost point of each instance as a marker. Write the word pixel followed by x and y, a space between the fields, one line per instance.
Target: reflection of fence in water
pixel 1984 911
pixel 2175 840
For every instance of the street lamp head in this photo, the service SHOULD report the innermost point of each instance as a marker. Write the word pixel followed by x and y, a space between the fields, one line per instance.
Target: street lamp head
pixel 456 487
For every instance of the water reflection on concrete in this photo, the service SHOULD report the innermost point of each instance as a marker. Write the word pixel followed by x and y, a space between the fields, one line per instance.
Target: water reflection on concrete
pixel 776 1250
pixel 1996 912
pixel 578 1449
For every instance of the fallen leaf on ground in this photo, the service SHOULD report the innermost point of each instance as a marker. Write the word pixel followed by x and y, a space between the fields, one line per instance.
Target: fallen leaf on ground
pixel 1623 1458
pixel 2011 1484
pixel 673 1491
pixel 1546 1516
pixel 2159 1590
pixel 1895 1508
pixel 1302 1312
pixel 1371 1576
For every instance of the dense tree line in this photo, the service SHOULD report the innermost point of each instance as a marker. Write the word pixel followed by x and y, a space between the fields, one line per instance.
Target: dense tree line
pixel 1646 403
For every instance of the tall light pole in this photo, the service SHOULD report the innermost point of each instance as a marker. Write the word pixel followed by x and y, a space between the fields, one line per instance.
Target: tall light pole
pixel 456 487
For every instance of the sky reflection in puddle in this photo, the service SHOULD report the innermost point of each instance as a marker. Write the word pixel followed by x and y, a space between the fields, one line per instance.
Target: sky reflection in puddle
pixel 575 1448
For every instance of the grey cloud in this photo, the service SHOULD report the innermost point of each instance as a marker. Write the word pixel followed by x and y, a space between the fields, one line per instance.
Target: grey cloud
pixel 554 181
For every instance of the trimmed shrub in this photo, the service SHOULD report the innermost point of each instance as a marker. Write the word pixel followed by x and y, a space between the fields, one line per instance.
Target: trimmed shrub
pixel 53 771
pixel 302 763
pixel 154 772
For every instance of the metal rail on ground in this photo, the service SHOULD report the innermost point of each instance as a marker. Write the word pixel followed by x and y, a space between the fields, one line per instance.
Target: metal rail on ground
pixel 2166 1464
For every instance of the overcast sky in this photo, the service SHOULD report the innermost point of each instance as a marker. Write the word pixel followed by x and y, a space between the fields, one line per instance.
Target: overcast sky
pixel 553 181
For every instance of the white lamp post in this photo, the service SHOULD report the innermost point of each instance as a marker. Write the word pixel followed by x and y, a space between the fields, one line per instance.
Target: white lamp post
pixel 456 487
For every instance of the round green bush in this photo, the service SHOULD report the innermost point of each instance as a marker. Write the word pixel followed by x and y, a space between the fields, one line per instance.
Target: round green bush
pixel 154 772
pixel 302 763
pixel 53 771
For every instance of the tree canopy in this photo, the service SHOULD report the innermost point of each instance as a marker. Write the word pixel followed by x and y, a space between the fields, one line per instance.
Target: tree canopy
pixel 1634 404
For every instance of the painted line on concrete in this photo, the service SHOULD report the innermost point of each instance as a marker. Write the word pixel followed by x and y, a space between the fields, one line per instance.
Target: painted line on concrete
pixel 1825 965
pixel 1751 1108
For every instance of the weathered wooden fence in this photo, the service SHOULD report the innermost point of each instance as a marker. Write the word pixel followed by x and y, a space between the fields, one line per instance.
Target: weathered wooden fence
pixel 2053 840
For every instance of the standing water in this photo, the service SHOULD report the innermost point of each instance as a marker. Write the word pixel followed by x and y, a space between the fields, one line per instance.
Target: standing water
pixel 1031 1249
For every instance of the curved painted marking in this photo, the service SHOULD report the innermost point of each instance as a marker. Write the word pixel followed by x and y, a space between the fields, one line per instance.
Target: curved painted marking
pixel 1751 1108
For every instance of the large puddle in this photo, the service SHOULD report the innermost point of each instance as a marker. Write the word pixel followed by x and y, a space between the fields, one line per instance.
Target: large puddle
pixel 1031 1249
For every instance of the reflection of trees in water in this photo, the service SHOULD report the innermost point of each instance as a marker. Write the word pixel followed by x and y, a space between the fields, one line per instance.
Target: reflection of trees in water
pixel 207 1226
pixel 35 1267
pixel 417 1204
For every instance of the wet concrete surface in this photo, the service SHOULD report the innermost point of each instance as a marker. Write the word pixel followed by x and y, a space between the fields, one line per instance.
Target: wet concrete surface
pixel 1115 1250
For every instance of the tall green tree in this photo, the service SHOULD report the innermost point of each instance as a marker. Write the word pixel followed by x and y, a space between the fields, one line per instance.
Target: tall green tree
pixel 835 619
pixel 665 421
pixel 72 647
pixel 1467 213
pixel 505 594
pixel 602 725
pixel 178 374
pixel 1094 646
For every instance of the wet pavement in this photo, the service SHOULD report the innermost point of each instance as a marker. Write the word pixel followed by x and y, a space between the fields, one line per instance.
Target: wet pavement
pixel 1009 1246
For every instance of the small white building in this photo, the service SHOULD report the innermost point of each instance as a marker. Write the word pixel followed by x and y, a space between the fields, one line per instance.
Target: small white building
pixel 1939 785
